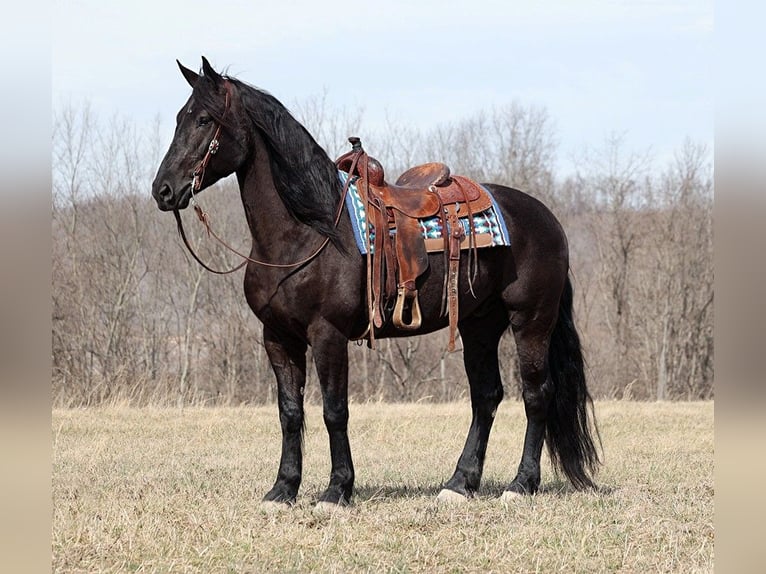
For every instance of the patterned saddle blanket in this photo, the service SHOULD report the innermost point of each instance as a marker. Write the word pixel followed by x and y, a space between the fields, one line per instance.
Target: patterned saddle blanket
pixel 489 225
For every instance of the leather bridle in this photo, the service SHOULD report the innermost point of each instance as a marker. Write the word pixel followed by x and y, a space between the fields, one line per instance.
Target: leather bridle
pixel 199 173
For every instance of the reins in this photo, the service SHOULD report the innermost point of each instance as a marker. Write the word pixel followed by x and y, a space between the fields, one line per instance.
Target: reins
pixel 198 175
pixel 205 219
pixel 182 233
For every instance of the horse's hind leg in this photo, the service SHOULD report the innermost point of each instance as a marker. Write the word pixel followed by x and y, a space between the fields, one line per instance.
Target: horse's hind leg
pixel 532 331
pixel 480 334
pixel 288 359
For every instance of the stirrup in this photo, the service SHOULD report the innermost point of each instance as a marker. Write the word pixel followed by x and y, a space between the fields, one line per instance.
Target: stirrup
pixel 402 294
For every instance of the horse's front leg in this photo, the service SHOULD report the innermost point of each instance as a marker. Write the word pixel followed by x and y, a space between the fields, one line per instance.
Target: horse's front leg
pixel 330 350
pixel 288 359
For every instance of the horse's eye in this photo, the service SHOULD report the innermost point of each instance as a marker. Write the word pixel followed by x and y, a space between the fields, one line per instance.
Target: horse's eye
pixel 204 120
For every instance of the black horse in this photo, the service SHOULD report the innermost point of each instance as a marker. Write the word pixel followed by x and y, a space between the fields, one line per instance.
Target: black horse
pixel 291 192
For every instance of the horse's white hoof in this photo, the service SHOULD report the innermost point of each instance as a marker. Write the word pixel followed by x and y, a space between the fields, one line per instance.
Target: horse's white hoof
pixel 273 507
pixel 450 497
pixel 509 497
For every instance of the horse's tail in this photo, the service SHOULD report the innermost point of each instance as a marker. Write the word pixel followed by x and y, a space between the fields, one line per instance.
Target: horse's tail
pixel 568 429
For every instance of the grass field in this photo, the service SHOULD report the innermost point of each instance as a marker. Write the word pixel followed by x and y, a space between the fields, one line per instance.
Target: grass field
pixel 163 490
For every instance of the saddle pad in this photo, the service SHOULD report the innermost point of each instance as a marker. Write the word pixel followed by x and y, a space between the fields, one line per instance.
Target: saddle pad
pixel 489 223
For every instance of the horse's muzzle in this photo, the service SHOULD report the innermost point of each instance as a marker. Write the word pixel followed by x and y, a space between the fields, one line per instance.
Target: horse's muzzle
pixel 167 199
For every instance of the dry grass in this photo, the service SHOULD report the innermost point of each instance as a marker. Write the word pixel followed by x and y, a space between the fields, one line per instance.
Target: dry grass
pixel 161 490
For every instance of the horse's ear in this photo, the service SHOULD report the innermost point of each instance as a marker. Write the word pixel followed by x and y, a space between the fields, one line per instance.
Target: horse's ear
pixel 210 73
pixel 190 75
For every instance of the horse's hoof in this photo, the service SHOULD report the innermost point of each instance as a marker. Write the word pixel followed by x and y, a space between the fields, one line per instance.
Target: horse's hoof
pixel 273 507
pixel 450 497
pixel 510 497
pixel 324 508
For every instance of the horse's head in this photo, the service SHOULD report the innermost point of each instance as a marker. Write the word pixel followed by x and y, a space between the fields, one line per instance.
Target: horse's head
pixel 210 141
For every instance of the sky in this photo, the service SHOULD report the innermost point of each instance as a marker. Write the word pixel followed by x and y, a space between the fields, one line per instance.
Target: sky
pixel 641 69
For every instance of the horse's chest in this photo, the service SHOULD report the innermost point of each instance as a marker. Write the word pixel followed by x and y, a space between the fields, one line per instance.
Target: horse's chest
pixel 277 302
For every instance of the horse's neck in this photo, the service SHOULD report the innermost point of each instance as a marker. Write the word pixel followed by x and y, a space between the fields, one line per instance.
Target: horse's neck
pixel 277 236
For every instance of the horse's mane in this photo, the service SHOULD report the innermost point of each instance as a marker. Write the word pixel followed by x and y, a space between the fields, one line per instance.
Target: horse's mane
pixel 304 176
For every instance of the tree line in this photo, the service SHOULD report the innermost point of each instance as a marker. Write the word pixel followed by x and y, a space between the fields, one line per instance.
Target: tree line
pixel 136 320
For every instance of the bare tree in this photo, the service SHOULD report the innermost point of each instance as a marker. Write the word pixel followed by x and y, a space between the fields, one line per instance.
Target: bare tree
pixel 677 283
pixel 330 126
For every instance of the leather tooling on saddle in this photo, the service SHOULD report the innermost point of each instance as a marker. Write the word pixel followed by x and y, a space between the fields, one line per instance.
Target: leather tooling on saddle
pixel 427 210
pixel 489 224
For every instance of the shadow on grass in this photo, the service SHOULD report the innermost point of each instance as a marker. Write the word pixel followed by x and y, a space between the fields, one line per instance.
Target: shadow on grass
pixel 562 488
pixel 489 489
pixel 371 493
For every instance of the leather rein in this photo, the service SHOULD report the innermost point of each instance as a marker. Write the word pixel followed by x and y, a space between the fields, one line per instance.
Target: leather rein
pixel 197 176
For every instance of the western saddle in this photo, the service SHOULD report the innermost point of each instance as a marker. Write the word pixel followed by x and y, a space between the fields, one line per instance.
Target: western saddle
pixel 401 257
